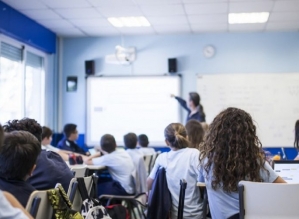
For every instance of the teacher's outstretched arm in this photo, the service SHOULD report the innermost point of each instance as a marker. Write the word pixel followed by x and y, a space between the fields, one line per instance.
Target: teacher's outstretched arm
pixel 182 102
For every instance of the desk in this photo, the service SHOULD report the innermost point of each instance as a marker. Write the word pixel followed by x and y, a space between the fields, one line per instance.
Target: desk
pixel 201 184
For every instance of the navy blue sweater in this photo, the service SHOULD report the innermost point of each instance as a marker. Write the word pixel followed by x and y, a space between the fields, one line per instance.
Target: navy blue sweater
pixel 199 115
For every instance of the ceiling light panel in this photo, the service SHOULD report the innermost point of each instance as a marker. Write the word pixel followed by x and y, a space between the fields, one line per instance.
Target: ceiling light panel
pixel 129 21
pixel 248 18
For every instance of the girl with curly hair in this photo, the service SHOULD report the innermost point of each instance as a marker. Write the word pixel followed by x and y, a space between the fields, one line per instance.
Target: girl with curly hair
pixel 296 141
pixel 230 153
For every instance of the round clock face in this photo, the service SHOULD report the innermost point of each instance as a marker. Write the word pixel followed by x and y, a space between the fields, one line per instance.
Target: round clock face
pixel 209 51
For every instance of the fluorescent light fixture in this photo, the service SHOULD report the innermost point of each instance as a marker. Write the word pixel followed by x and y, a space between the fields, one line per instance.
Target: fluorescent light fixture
pixel 248 18
pixel 129 21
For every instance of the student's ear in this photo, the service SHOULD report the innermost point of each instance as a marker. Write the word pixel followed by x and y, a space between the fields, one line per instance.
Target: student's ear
pixel 167 142
pixel 33 168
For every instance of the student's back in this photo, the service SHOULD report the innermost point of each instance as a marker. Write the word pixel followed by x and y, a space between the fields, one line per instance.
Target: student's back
pixel 231 153
pixel 180 163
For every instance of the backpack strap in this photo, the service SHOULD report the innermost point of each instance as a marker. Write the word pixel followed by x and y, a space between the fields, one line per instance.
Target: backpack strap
pixel 94 189
pixel 64 196
pixel 82 188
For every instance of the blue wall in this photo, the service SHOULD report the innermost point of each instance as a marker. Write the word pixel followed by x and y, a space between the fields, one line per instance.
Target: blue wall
pixel 235 53
pixel 22 28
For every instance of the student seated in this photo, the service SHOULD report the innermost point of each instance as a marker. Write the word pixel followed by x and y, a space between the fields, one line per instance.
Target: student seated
pixel 120 167
pixel 195 133
pixel 180 163
pixel 68 143
pixel 18 157
pixel 130 141
pixel 143 143
pixel 46 144
pixel 10 208
pixel 50 167
pixel 232 152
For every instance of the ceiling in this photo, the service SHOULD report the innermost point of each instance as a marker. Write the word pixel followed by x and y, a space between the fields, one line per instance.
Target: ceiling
pixel 79 18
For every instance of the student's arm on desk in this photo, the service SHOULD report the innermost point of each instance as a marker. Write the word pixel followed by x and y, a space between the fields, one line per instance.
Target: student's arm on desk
pixel 88 160
pixel 65 154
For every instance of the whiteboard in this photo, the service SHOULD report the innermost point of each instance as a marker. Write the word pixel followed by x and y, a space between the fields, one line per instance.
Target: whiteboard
pixel 139 104
pixel 271 99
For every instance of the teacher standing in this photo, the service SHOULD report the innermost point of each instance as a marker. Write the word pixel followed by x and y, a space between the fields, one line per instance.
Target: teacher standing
pixel 194 108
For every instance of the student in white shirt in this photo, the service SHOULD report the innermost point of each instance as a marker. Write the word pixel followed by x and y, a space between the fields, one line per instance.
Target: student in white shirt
pixel 120 167
pixel 180 163
pixel 232 152
pixel 143 143
pixel 130 141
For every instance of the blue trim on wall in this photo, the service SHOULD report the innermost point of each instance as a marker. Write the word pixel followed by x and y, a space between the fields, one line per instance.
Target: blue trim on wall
pixel 26 30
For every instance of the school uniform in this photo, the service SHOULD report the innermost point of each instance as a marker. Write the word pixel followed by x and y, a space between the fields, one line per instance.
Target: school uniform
pixel 7 211
pixel 147 151
pixel 20 189
pixel 181 164
pixel 65 144
pixel 50 170
pixel 198 115
pixel 134 153
pixel 121 169
pixel 223 205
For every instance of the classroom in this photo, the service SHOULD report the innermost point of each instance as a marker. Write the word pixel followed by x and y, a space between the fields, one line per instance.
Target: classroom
pixel 149 109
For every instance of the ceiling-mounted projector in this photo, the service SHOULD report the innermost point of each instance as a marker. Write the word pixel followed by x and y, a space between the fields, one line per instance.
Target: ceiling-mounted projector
pixel 122 56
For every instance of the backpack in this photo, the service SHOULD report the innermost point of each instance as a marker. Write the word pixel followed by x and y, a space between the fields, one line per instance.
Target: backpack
pixel 118 212
pixel 91 207
pixel 61 204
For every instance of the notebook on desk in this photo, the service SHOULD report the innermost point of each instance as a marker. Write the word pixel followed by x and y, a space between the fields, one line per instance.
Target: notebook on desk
pixel 288 170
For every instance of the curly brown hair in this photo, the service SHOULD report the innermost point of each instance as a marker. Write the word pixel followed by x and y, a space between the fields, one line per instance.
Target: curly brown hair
pixel 231 151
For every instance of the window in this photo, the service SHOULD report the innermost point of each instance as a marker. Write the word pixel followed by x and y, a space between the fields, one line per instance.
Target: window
pixel 21 84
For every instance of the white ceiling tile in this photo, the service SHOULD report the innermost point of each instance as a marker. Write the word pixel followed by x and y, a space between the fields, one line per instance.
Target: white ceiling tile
pixel 114 3
pixel 172 29
pixel 260 6
pixel 41 14
pixel 145 2
pixel 221 7
pixel 123 11
pixel 103 31
pixel 162 10
pixel 98 22
pixel 66 3
pixel 203 1
pixel 282 26
pixel 284 16
pixel 209 27
pixel 69 32
pixel 28 4
pixel 70 13
pixel 246 27
pixel 136 30
pixel 208 18
pixel 58 23
pixel 286 6
pixel 171 20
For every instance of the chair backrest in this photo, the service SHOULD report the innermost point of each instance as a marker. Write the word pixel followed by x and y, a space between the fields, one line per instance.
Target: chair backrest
pixel 148 162
pixel 39 205
pixel 154 159
pixel 80 171
pixel 74 194
pixel 268 200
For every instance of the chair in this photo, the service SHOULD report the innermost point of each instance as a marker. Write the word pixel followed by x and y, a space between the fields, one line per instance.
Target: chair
pixel 39 205
pixel 74 194
pixel 154 159
pixel 148 163
pixel 79 171
pixel 183 187
pixel 268 200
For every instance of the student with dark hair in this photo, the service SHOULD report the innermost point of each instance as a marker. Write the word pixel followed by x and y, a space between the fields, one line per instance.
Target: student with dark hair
pixel 18 157
pixel 180 163
pixel 68 143
pixel 194 108
pixel 10 208
pixel 195 133
pixel 230 153
pixel 130 141
pixel 143 143
pixel 50 167
pixel 120 167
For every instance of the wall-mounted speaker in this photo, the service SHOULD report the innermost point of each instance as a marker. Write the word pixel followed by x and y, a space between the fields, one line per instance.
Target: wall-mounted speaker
pixel 172 65
pixel 89 67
